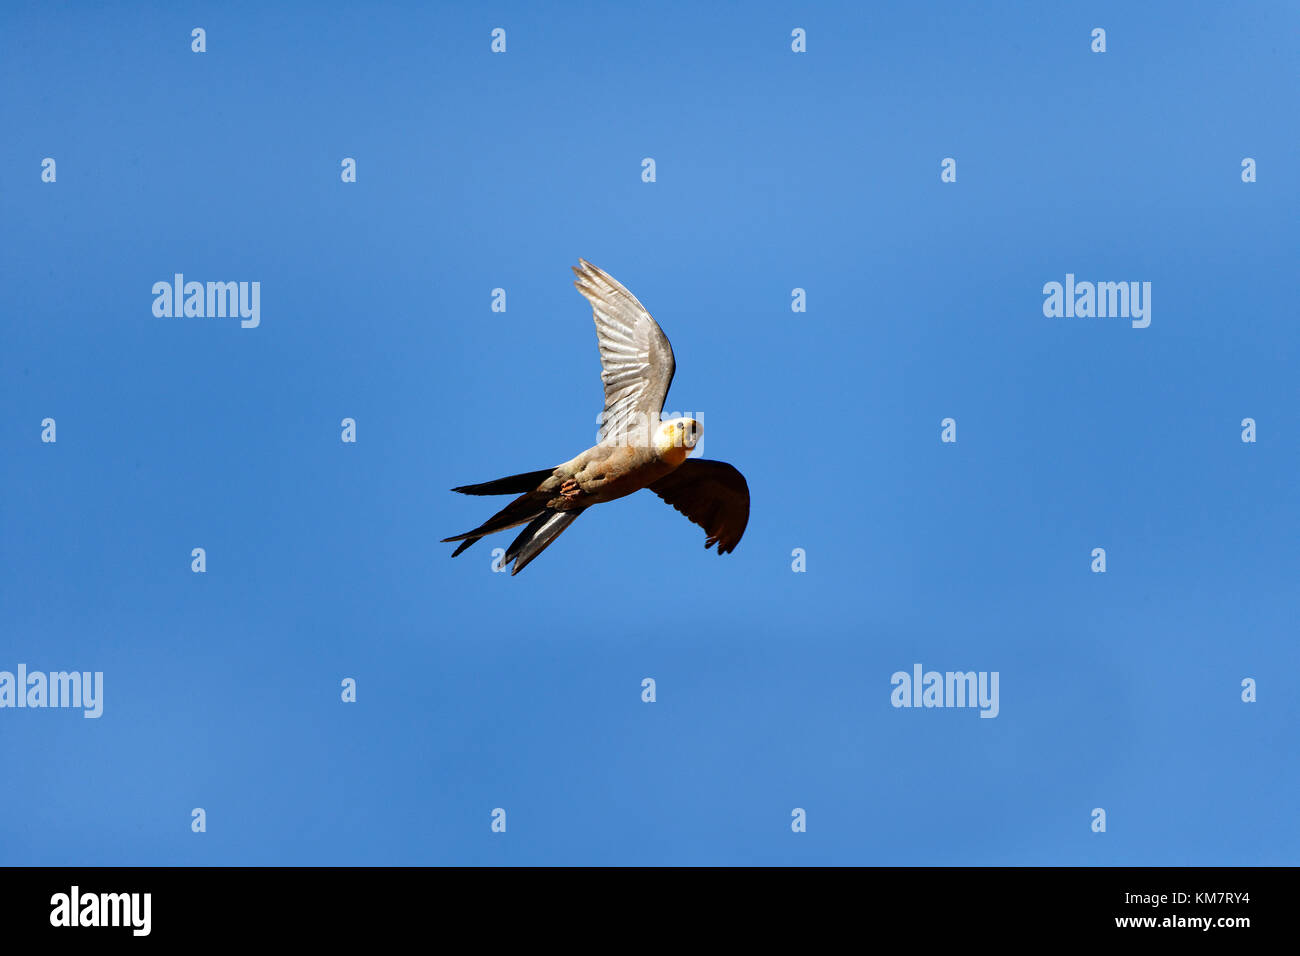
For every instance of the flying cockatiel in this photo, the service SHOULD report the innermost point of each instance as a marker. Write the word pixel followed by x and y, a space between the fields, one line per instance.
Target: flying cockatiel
pixel 633 449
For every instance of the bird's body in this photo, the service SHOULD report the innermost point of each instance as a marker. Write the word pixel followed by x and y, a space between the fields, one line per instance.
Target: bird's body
pixel 609 472
pixel 635 450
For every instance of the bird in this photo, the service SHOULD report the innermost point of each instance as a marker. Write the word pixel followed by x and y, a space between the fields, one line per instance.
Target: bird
pixel 634 449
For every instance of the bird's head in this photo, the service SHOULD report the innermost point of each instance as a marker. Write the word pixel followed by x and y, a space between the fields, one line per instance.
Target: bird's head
pixel 676 437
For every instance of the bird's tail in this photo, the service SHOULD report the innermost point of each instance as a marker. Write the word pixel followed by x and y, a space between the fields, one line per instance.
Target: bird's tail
pixel 524 508
pixel 513 485
pixel 537 537
pixel 544 524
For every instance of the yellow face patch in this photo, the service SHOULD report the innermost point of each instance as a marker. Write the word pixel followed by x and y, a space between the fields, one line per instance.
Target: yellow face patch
pixel 675 439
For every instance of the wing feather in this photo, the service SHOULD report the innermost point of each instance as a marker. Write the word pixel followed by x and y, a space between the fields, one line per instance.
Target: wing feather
pixel 636 360
pixel 712 494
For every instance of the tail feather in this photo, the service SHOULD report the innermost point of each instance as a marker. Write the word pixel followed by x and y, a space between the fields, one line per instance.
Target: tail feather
pixel 537 537
pixel 512 485
pixel 465 544
pixel 543 524
pixel 525 536
pixel 520 511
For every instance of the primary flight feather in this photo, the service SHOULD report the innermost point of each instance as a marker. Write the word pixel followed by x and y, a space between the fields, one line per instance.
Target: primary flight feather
pixel 633 449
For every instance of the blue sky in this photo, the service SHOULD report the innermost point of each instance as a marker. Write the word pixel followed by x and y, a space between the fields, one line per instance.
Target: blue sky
pixel 774 171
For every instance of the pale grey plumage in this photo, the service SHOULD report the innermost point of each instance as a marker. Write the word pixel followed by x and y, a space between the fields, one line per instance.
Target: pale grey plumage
pixel 636 360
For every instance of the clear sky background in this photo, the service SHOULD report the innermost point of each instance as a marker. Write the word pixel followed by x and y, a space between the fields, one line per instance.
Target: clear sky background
pixel 775 170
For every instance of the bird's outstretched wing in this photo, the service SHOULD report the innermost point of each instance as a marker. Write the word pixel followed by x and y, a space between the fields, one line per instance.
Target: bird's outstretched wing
pixel 636 360
pixel 712 494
